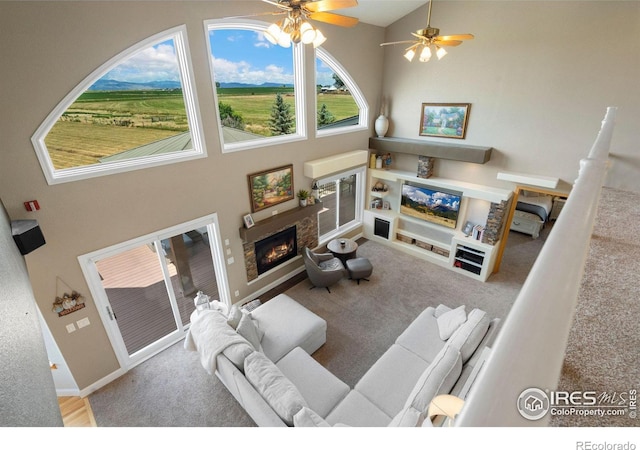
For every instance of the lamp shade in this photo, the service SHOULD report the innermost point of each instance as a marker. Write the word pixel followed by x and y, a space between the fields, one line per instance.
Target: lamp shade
pixel 307 33
pixel 445 405
pixel 425 55
pixel 410 54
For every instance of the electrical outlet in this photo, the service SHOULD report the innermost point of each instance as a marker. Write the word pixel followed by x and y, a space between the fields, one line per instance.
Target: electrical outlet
pixel 274 212
pixel 237 293
pixel 226 242
pixel 83 322
pixel 230 260
pixel 71 328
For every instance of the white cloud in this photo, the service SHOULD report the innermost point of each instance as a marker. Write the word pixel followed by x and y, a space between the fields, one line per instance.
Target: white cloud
pixel 243 72
pixel 151 64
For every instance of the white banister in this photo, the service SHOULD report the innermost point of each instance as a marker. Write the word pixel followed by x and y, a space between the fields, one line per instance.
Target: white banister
pixel 530 348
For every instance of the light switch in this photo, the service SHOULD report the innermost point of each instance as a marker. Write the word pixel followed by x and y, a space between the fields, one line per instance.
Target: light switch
pixel 228 251
pixel 71 328
pixel 83 322
pixel 226 242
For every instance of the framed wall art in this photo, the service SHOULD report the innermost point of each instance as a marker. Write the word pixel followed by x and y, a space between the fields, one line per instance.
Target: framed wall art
pixel 446 120
pixel 271 187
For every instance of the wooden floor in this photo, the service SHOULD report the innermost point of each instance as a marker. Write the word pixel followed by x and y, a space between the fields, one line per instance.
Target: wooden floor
pixel 76 412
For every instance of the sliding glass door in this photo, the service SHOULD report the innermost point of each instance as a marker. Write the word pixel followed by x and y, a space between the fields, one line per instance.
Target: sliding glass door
pixel 145 288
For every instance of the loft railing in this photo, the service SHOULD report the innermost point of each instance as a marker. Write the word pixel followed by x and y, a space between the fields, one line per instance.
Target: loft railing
pixel 529 350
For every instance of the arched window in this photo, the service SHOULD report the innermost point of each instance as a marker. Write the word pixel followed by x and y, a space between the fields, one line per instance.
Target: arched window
pixel 340 106
pixel 259 87
pixel 137 110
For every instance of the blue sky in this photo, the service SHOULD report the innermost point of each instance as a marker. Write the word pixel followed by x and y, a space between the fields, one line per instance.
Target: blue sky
pixel 240 56
pixel 244 56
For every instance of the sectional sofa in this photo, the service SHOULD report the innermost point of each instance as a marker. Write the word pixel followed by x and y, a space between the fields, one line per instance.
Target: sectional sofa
pixel 263 358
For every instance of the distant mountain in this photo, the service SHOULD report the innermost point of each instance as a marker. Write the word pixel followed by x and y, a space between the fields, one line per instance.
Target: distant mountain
pixel 115 85
pixel 248 85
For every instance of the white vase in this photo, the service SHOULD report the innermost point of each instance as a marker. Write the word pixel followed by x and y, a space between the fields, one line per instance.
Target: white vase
pixel 381 125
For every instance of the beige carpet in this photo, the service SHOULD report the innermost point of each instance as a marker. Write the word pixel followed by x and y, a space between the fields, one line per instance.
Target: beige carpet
pixel 603 353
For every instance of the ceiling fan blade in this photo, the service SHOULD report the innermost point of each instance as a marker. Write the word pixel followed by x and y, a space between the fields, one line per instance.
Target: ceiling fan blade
pixel 272 13
pixel 398 42
pixel 334 19
pixel 456 37
pixel 329 5
pixel 446 43
pixel 278 4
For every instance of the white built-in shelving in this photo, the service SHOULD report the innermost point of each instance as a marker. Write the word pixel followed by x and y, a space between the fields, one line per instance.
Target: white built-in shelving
pixel 448 248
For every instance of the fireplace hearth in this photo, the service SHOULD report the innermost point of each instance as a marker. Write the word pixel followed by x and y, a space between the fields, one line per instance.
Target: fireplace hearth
pixel 276 249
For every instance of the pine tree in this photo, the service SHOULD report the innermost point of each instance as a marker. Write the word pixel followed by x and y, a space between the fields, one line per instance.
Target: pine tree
pixel 324 116
pixel 281 121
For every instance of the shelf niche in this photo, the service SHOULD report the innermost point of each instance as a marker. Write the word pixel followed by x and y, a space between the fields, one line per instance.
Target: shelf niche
pixel 454 152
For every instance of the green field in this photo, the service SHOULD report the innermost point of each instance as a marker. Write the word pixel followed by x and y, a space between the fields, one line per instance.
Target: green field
pixel 103 123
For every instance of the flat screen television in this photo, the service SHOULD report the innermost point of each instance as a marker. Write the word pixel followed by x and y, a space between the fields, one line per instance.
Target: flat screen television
pixel 435 205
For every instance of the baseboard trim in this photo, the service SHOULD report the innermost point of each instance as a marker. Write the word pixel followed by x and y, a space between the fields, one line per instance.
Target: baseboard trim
pixel 102 382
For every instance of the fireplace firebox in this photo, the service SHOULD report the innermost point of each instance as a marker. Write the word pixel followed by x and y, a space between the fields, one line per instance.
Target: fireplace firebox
pixel 276 249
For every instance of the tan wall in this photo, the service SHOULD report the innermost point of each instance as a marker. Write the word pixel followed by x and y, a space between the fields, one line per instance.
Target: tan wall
pixel 539 77
pixel 47 50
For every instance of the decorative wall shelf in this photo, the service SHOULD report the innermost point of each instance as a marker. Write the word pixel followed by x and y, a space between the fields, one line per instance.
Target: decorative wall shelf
pixel 275 223
pixel 455 152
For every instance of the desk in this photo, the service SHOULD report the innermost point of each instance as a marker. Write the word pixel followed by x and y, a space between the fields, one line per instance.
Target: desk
pixel 345 252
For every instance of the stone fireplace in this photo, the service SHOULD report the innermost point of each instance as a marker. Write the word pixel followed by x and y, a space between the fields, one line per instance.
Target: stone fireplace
pixel 278 239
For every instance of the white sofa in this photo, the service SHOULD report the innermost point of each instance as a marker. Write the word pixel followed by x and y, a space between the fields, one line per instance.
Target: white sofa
pixel 282 385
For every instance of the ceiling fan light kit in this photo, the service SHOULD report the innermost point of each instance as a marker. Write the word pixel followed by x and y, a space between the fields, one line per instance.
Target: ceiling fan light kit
pixel 429 41
pixel 296 27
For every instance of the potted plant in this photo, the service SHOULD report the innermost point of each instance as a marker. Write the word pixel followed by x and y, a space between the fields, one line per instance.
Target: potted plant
pixel 302 196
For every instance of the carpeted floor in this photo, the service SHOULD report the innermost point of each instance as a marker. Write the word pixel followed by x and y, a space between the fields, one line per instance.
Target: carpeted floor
pixel 173 390
pixel 603 352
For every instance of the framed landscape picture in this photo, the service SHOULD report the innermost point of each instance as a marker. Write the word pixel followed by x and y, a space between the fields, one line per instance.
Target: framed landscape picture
pixel 446 120
pixel 271 187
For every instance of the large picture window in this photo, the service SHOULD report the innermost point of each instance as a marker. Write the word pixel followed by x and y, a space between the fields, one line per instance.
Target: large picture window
pixel 137 110
pixel 340 106
pixel 258 86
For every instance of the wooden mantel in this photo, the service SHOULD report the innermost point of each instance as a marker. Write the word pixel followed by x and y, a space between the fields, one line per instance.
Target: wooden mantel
pixel 455 152
pixel 275 223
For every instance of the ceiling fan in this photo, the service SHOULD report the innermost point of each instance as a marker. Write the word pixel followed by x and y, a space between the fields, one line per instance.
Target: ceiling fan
pixel 429 39
pixel 295 26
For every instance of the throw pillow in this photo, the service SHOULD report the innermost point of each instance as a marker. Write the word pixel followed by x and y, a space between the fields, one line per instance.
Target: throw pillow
pixel 450 321
pixel 276 389
pixel 236 353
pixel 440 310
pixel 257 324
pixel 308 418
pixel 468 337
pixel 235 314
pixel 438 378
pixel 248 330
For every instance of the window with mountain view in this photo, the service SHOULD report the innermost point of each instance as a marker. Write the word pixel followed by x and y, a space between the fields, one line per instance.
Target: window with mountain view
pixel 340 105
pixel 256 86
pixel 137 110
